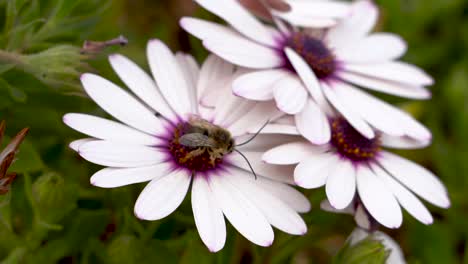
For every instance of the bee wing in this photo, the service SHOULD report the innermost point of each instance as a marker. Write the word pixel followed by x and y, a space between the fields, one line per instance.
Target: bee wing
pixel 196 140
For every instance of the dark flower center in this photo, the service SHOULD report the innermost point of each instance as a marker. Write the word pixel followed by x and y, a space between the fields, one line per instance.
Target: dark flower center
pixel 320 59
pixel 199 146
pixel 349 143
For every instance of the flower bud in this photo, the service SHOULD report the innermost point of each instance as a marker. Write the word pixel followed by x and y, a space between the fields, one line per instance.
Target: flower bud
pixel 52 197
pixel 57 66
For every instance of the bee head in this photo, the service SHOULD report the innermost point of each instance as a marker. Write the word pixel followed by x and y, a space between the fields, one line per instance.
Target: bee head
pixel 231 145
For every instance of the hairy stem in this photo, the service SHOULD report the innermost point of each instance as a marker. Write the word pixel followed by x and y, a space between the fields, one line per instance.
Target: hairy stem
pixel 9 57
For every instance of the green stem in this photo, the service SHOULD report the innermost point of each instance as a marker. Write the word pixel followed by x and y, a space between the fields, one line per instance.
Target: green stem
pixel 12 58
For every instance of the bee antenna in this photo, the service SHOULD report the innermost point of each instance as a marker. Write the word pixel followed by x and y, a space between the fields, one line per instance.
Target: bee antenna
pixel 248 162
pixel 254 136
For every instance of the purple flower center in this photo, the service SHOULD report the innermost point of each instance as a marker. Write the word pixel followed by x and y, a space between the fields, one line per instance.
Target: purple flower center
pixel 350 144
pixel 320 59
pixel 199 146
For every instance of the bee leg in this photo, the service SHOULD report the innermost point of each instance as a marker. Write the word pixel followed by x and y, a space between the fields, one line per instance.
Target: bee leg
pixel 213 156
pixel 192 154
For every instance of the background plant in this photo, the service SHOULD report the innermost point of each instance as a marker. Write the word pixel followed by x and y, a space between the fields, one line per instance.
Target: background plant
pixel 53 214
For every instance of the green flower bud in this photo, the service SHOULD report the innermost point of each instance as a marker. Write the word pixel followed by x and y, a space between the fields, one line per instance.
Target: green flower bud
pixel 363 248
pixel 52 197
pixel 57 66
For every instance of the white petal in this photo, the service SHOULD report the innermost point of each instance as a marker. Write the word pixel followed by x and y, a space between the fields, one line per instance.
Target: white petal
pixel 121 155
pixel 291 153
pixel 306 74
pixel 416 178
pixel 244 52
pixel 392 71
pixel 361 21
pixel 313 172
pixel 403 142
pixel 407 200
pixel 264 142
pixel 287 194
pixel 240 19
pixel 341 185
pixel 313 124
pixel 208 216
pixel 384 86
pixel 277 213
pixel 362 218
pixel 377 113
pixel 379 47
pixel 190 64
pixel 189 68
pixel 75 145
pixel 141 84
pixel 256 117
pixel 315 14
pixel 241 212
pixel 169 77
pixel 203 29
pixel 290 95
pixel 231 109
pixel 109 130
pixel 257 85
pixel 116 177
pixel 348 111
pixel 278 129
pixel 274 172
pixel 232 46
pixel 214 71
pixel 383 116
pixel 162 196
pixel 120 104
pixel 378 199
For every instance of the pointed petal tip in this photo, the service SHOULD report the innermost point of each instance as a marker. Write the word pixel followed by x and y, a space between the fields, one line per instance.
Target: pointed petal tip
pixel 114 56
pixel 183 22
pixel 213 249
pixel 86 75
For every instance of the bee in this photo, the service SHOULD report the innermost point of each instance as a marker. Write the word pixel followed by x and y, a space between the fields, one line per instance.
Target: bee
pixel 203 136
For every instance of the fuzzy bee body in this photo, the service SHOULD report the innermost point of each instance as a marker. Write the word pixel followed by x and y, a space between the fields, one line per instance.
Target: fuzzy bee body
pixel 205 137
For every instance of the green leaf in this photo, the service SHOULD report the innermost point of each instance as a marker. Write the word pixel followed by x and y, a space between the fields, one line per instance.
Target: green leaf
pixel 16 93
pixel 27 159
pixel 130 249
pixel 6 67
pixel 195 249
pixel 84 226
pixel 16 256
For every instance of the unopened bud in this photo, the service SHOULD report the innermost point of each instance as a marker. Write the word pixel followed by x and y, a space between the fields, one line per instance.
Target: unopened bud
pixel 59 66
pixel 52 197
pixel 362 248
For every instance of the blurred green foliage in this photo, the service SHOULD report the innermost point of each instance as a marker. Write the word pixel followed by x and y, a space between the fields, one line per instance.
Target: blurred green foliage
pixel 53 214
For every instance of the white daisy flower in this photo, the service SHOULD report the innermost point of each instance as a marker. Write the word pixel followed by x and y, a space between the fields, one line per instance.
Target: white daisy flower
pixel 166 138
pixel 353 167
pixel 305 70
